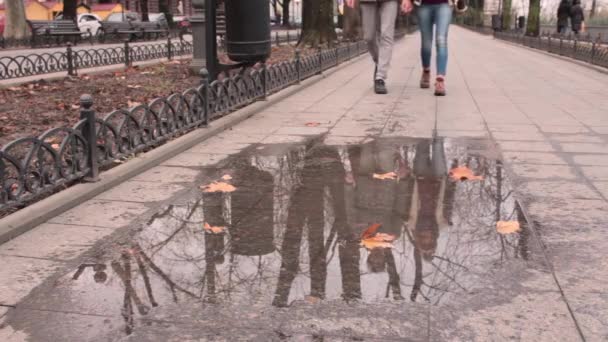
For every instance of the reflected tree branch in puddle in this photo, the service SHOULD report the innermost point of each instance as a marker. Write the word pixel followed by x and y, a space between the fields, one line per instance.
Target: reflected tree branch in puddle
pixel 144 274
pixel 183 225
pixel 172 285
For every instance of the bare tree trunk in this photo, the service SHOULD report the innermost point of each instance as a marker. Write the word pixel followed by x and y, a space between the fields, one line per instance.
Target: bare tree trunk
pixel 352 21
pixel 69 10
pixel 16 27
pixel 506 15
pixel 286 16
pixel 317 22
pixel 593 9
pixel 144 10
pixel 533 27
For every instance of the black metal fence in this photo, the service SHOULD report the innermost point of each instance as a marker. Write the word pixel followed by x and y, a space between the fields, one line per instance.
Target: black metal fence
pixel 36 166
pixel 71 60
pixel 585 48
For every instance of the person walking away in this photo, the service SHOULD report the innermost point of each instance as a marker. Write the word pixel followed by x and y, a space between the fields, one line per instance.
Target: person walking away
pixel 563 15
pixel 438 14
pixel 577 17
pixel 378 19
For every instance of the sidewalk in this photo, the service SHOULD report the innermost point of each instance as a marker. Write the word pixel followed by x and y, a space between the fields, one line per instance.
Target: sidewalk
pixel 81 276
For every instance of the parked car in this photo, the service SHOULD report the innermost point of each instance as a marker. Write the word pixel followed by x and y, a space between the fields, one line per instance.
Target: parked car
pixel 159 18
pixel 126 16
pixel 89 22
pixel 86 22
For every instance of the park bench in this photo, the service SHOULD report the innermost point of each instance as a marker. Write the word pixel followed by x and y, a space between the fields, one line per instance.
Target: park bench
pixel 116 29
pixel 59 30
pixel 150 30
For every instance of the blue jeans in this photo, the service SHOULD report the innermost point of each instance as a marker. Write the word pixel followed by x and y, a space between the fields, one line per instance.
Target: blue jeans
pixel 440 16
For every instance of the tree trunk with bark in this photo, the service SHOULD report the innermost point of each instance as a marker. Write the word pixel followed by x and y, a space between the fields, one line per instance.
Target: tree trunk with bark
pixel 144 10
pixel 69 10
pixel 352 21
pixel 593 9
pixel 533 28
pixel 15 27
pixel 506 15
pixel 286 14
pixel 317 23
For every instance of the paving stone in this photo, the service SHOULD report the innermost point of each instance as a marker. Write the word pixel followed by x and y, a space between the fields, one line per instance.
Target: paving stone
pixel 283 139
pixel 187 159
pixel 135 191
pixel 540 171
pixel 18 276
pixel 166 174
pixel 462 133
pixel 534 158
pixel 563 129
pixel 560 189
pixel 54 241
pixel 584 148
pixel 600 129
pixel 526 317
pixel 602 187
pixel 596 172
pixel 576 138
pixel 519 136
pixel 591 312
pixel 591 159
pixel 219 146
pixel 291 130
pixel 534 146
pixel 109 214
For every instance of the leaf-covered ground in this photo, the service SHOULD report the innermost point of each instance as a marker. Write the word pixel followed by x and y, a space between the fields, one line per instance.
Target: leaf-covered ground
pixel 32 108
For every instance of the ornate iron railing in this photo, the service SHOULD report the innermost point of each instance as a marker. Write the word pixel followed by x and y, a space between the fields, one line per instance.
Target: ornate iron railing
pixel 71 60
pixel 36 166
pixel 585 48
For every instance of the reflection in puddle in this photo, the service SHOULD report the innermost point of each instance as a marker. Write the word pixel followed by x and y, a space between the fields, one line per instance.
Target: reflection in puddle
pixel 294 226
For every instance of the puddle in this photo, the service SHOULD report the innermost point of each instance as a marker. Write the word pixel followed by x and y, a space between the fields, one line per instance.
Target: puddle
pixel 294 226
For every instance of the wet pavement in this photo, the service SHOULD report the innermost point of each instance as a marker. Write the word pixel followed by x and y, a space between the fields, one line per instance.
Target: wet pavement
pixel 286 261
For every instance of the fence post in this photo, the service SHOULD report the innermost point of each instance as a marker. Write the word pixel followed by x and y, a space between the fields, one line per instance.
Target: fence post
pixel 348 50
pixel 70 58
pixel 575 47
pixel 127 54
pixel 319 50
pixel 264 81
pixel 298 65
pixel 276 38
pixel 169 47
pixel 89 132
pixel 549 43
pixel 204 73
pixel 561 44
pixel 288 38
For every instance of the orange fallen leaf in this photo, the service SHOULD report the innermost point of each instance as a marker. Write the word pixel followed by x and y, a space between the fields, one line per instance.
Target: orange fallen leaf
pixel 312 124
pixel 226 177
pixel 373 243
pixel 463 173
pixel 132 104
pixel 213 229
pixel 55 146
pixel 507 227
pixel 218 187
pixel 312 299
pixel 370 231
pixel 383 237
pixel 383 176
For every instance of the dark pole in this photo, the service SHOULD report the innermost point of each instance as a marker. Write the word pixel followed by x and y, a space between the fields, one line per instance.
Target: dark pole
pixel 89 132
